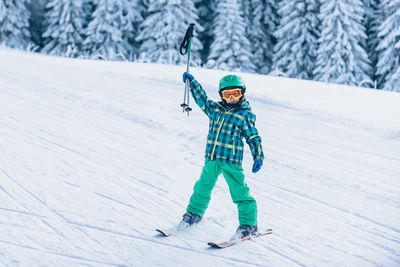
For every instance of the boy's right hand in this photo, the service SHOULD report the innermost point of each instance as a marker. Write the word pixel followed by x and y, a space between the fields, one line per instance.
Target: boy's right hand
pixel 187 75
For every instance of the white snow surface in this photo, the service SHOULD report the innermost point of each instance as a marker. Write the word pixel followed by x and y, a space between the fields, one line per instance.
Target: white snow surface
pixel 95 155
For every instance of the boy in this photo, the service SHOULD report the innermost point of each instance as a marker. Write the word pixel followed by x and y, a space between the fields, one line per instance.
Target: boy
pixel 230 120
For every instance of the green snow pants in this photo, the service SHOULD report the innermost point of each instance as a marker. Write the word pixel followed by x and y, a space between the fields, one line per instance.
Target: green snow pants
pixel 234 176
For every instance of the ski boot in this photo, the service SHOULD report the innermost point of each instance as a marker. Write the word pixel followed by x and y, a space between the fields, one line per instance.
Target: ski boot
pixel 244 231
pixel 191 218
pixel 188 219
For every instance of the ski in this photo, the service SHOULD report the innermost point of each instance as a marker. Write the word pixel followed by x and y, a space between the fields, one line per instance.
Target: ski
pixel 167 233
pixel 164 233
pixel 234 240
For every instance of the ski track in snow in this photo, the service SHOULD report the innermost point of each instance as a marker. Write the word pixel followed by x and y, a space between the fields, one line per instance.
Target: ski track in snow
pixel 95 155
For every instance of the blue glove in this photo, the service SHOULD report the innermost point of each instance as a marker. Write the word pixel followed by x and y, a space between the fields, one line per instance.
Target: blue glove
pixel 257 165
pixel 187 75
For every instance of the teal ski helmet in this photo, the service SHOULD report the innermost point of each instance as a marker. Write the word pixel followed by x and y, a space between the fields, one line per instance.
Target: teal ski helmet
pixel 231 81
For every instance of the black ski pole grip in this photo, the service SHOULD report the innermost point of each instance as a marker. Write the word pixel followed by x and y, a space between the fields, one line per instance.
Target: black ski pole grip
pixel 183 49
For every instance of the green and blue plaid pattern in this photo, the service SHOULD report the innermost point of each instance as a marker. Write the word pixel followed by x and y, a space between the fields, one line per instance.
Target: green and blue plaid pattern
pixel 227 128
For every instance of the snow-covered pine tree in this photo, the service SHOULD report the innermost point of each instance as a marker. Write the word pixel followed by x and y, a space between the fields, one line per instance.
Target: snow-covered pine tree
pixel 341 57
pixel 37 25
pixel 371 22
pixel 297 38
pixel 270 23
pixel 64 33
pixel 14 24
pixel 88 8
pixel 104 35
pixel 388 67
pixel 261 19
pixel 143 7
pixel 162 31
pixel 132 17
pixel 206 11
pixel 231 49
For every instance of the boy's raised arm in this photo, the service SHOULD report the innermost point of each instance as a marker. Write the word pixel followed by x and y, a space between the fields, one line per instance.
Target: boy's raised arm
pixel 199 95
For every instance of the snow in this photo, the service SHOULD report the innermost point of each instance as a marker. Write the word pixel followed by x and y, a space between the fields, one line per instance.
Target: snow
pixel 95 155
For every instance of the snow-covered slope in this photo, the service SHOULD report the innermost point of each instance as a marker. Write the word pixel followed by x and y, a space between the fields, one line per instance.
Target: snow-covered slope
pixel 95 155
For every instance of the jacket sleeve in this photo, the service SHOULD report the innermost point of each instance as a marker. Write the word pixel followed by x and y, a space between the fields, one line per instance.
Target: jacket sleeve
pixel 250 133
pixel 200 97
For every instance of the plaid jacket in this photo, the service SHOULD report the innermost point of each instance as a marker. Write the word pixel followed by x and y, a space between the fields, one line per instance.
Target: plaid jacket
pixel 227 128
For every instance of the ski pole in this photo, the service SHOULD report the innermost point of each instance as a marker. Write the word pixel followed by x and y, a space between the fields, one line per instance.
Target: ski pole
pixel 185 47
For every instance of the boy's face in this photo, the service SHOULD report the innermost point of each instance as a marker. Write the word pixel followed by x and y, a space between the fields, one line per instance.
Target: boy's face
pixel 232 96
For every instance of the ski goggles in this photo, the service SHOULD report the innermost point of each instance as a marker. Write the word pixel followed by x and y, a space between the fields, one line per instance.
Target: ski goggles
pixel 235 93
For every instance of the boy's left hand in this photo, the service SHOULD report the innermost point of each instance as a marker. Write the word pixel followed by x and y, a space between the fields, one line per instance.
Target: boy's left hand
pixel 187 75
pixel 257 165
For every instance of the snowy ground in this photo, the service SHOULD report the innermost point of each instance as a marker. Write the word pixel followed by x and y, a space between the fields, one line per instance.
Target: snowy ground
pixel 95 155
